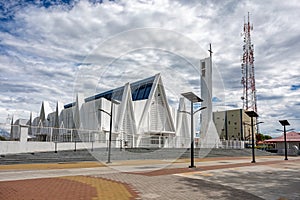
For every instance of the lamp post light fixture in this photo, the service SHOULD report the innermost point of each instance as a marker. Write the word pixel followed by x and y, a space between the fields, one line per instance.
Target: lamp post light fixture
pixel 252 114
pixel 193 99
pixel 284 123
pixel 110 126
pixel 245 123
pixel 253 124
pixel 258 123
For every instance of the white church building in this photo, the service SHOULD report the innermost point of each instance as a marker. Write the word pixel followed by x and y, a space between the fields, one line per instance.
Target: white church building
pixel 137 115
pixel 141 117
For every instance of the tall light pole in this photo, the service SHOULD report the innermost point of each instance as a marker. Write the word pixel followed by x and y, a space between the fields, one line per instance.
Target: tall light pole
pixel 110 126
pixel 284 123
pixel 252 114
pixel 193 99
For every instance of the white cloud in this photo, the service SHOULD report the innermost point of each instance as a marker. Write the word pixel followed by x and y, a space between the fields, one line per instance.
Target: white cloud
pixel 43 50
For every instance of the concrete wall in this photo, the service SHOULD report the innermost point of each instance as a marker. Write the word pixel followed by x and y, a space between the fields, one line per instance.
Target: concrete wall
pixel 233 124
pixel 219 118
pixel 10 147
pixel 280 145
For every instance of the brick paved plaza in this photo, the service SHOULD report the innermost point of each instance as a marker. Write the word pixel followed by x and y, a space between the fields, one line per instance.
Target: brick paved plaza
pixel 214 178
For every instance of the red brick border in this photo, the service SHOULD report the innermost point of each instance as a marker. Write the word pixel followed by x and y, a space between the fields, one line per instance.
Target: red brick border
pixel 168 171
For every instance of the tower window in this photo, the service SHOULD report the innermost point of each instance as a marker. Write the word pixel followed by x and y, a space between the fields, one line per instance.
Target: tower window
pixel 203 68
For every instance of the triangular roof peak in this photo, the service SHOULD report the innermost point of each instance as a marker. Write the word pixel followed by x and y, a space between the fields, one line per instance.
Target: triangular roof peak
pixel 157 85
pixel 126 111
pixel 45 110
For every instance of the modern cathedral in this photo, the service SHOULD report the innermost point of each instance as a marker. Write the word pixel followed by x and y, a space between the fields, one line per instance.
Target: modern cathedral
pixel 139 114
pixel 134 115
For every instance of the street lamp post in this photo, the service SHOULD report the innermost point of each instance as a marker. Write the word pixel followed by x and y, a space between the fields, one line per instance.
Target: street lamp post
pixel 193 99
pixel 110 126
pixel 284 123
pixel 252 114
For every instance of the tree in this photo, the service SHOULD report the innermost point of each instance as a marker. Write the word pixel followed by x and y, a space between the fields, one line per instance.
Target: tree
pixel 262 137
pixel 267 137
pixel 2 138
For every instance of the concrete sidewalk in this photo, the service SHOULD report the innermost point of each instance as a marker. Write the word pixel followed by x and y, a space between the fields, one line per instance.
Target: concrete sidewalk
pixel 214 178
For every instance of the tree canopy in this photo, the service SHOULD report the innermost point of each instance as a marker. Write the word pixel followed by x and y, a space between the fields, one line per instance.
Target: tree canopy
pixel 262 137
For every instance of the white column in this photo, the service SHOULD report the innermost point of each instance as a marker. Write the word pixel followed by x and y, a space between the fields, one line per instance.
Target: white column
pixel 23 133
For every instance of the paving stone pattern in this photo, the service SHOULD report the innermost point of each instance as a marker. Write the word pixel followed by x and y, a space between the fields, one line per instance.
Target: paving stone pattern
pixel 271 178
pixel 166 187
pixel 66 188
pixel 46 189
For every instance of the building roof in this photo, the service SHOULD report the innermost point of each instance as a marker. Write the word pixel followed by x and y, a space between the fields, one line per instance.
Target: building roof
pixel 290 137
pixel 140 90
pixel 21 122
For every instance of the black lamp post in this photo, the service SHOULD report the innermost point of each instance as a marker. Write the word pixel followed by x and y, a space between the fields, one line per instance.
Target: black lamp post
pixel 284 123
pixel 110 126
pixel 193 99
pixel 252 114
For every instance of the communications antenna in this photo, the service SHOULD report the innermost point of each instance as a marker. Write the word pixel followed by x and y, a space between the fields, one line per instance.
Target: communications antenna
pixel 247 67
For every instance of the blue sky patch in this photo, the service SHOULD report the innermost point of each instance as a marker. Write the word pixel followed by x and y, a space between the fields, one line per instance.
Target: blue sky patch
pixel 295 87
pixel 216 99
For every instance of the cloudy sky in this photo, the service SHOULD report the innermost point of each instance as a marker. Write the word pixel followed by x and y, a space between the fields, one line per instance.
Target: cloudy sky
pixel 50 50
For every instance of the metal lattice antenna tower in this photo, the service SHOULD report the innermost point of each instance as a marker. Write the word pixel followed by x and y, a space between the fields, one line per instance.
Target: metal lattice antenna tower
pixel 248 75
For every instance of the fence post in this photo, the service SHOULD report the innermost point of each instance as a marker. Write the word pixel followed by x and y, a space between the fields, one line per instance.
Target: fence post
pixel 71 135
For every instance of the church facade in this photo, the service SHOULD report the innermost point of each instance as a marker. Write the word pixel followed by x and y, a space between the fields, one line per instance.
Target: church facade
pixel 138 114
